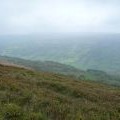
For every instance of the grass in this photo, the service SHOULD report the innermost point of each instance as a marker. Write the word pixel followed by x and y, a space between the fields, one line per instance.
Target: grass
pixel 30 95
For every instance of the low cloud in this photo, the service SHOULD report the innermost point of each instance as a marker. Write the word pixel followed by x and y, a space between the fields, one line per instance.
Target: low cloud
pixel 26 17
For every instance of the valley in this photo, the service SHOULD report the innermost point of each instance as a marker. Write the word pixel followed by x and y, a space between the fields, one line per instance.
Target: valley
pixel 95 51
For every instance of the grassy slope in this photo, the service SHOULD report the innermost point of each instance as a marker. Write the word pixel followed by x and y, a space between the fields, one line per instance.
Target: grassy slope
pixel 45 96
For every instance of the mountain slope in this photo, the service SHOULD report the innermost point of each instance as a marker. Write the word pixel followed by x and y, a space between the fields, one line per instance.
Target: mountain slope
pixel 26 95
pixel 55 67
pixel 47 66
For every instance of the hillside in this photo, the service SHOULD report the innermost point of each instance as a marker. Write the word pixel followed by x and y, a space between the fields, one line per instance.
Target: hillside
pixel 98 51
pixel 30 95
pixel 55 67
pixel 45 66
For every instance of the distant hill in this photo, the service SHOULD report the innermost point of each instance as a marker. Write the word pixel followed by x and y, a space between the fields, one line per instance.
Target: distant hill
pixel 55 67
pixel 47 66
pixel 99 52
pixel 30 95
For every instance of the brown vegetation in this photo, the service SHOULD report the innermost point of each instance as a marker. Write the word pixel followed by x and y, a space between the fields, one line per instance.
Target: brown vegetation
pixel 29 95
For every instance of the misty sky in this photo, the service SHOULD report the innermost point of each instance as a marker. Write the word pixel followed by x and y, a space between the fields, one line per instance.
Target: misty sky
pixel 38 16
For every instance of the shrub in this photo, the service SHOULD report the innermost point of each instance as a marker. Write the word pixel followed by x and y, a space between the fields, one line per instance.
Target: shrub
pixel 35 116
pixel 12 112
pixel 78 116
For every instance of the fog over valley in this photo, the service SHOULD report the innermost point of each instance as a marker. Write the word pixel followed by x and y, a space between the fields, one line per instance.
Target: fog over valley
pixel 94 51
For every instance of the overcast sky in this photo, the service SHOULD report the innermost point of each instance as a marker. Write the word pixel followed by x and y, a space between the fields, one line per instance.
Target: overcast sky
pixel 36 16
